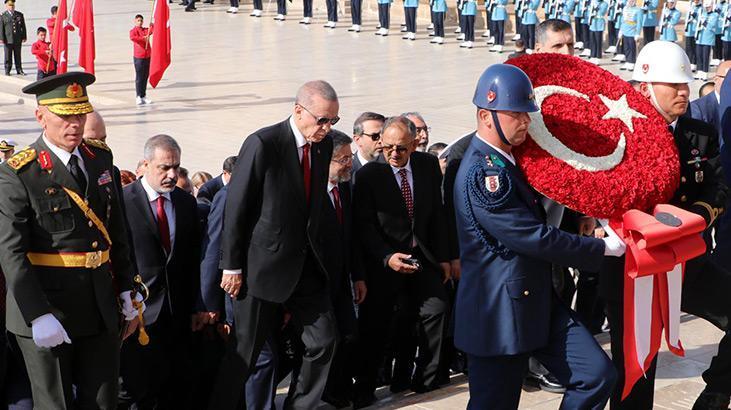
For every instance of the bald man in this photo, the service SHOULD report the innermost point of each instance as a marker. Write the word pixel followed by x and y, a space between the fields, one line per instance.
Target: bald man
pixel 95 127
pixel 706 108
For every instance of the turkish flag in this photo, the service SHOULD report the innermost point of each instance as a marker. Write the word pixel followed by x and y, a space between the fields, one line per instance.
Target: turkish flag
pixel 83 18
pixel 60 40
pixel 161 44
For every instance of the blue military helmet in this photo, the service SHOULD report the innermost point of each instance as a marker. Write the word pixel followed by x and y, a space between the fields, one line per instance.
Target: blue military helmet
pixel 504 87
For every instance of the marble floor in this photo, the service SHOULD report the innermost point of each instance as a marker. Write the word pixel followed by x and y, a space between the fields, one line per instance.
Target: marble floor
pixel 232 74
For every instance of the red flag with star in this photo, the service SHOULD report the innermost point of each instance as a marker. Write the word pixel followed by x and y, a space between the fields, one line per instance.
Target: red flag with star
pixel 60 40
pixel 83 18
pixel 161 43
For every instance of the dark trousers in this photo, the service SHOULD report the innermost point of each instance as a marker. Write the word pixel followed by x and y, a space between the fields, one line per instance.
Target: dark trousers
pixel 12 52
pixel 356 11
pixel 234 3
pixel 423 296
pixel 158 375
pixel 439 24
pixel 595 43
pixel 340 379
pixel 571 355
pixel 529 36
pixel 629 49
pixel 256 319
pixel 727 49
pixel 83 374
pixel 703 55
pixel 282 7
pixel 578 31
pixel 518 24
pixel 718 48
pixel 589 306
pixel 468 27
pixel 307 8
pixel 690 49
pixel 258 5
pixel 648 34
pixel 41 75
pixel 384 15
pixel 410 15
pixel 142 73
pixel 499 32
pixel 15 390
pixel 585 35
pixel 332 10
pixel 612 34
pixel 459 19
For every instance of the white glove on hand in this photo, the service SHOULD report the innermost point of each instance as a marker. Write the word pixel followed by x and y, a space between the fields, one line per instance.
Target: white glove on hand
pixel 613 246
pixel 128 310
pixel 48 331
pixel 637 38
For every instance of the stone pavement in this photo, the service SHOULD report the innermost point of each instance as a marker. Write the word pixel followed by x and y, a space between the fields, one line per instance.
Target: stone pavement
pixel 232 74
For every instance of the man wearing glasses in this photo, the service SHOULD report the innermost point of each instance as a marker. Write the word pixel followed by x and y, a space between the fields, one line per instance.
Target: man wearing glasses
pixel 422 131
pixel 706 108
pixel 272 223
pixel 367 136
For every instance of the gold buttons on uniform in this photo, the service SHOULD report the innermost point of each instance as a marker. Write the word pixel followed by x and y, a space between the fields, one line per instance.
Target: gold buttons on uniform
pixel 526 293
pixel 55 209
pixel 95 244
pixel 91 224
pixel 683 198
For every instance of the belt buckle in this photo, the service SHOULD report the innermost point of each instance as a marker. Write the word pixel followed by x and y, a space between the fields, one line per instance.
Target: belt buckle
pixel 93 260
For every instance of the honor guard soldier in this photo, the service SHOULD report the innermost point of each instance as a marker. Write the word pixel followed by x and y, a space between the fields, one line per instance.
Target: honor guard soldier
pixel 506 309
pixel 384 17
pixel 529 21
pixel 618 13
pixel 62 230
pixel 519 10
pixel 705 38
pixel 469 9
pixel 565 12
pixel 410 7
pixel 670 18
pixel 597 20
pixel 499 16
pixel 718 56
pixel 726 31
pixel 649 20
pixel 439 9
pixel 630 31
pixel 578 17
pixel 691 22
pixel 611 29
pixel 664 80
pixel 13 34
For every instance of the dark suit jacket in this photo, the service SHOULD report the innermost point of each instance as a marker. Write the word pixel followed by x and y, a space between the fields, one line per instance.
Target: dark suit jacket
pixel 173 281
pixel 13 30
pixel 706 109
pixel 212 295
pixel 210 188
pixel 454 159
pixel 269 229
pixel 381 220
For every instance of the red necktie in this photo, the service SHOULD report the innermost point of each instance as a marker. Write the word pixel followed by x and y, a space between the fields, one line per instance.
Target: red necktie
pixel 306 169
pixel 406 192
pixel 338 206
pixel 162 224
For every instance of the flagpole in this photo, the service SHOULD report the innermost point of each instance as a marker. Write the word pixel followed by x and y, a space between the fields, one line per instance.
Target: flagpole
pixel 152 16
pixel 55 30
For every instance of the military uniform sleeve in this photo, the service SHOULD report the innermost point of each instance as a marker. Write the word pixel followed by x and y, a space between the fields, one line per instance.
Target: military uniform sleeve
pixel 15 235
pixel 714 191
pixel 120 252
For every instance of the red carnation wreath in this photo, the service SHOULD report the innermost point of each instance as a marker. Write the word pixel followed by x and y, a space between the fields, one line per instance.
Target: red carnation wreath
pixel 597 145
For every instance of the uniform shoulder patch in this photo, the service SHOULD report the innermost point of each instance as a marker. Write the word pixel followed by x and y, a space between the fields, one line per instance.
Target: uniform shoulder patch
pixel 98 144
pixel 488 186
pixel 22 158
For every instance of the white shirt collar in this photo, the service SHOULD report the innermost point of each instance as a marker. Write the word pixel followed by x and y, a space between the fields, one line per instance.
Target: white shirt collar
pixel 61 153
pixel 152 195
pixel 298 137
pixel 674 124
pixel 407 167
pixel 361 158
pixel 718 96
pixel 503 153
pixel 330 186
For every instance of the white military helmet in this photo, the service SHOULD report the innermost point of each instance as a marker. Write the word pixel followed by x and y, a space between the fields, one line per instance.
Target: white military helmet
pixel 662 62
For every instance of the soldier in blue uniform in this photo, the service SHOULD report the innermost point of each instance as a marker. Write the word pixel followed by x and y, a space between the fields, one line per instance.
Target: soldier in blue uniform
pixel 617 23
pixel 469 9
pixel 705 38
pixel 691 21
pixel 578 9
pixel 583 27
pixel 630 31
pixel 649 20
pixel 506 309
pixel 597 20
pixel 499 15
pixel 611 29
pixel 670 18
pixel 384 17
pixel 410 7
pixel 529 21
pixel 725 25
pixel 564 13
pixel 519 10
pixel 718 56
pixel 438 9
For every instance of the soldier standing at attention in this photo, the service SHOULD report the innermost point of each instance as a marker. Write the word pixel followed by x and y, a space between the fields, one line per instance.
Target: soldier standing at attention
pixel 649 20
pixel 61 230
pixel 13 35
pixel 630 31
pixel 705 38
pixel 670 18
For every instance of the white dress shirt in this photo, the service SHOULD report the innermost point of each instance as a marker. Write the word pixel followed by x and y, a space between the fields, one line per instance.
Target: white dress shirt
pixel 362 159
pixel 409 176
pixel 299 139
pixel 65 157
pixel 330 187
pixel 152 196
pixel 507 155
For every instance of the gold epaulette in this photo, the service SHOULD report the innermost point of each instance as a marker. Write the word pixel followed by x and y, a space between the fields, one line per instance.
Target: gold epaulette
pixel 22 158
pixel 97 144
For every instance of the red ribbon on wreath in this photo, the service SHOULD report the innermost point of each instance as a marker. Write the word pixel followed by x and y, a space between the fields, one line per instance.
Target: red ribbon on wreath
pixel 658 246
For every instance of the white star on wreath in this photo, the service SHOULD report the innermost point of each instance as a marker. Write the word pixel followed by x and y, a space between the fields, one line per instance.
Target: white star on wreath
pixel 620 109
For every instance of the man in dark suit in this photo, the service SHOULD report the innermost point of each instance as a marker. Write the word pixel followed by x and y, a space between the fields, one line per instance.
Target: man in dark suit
pixel 210 188
pixel 366 134
pixel 706 107
pixel 13 35
pixel 271 240
pixel 166 237
pixel 398 217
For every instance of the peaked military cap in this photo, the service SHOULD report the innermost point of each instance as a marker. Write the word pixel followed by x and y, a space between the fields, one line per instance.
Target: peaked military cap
pixel 7 145
pixel 12 2
pixel 63 94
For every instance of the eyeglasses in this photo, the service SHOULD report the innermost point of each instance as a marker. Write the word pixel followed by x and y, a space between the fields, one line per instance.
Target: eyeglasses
pixel 321 120
pixel 375 136
pixel 344 160
pixel 398 148
pixel 425 129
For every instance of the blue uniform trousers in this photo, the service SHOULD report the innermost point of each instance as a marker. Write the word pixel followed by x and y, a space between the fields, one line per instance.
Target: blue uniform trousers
pixel 648 34
pixel 703 55
pixel 690 48
pixel 718 48
pixel 438 18
pixel 595 43
pixel 410 15
pixel 384 14
pixel 629 49
pixel 612 33
pixel 529 36
pixel 571 355
pixel 578 31
pixel 468 28
pixel 356 11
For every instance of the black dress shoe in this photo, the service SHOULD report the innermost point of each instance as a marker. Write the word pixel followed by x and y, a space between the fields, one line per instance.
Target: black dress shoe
pixel 208 1
pixel 545 382
pixel 21 73
pixel 711 401
pixel 399 386
pixel 190 9
pixel 363 401
pixel 337 402
pixel 182 3
pixel 421 388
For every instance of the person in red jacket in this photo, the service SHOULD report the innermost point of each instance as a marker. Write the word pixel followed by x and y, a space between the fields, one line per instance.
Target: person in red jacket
pixel 140 37
pixel 42 50
pixel 51 22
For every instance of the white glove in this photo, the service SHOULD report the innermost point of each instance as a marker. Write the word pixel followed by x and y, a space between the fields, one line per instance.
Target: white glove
pixel 128 310
pixel 613 246
pixel 637 38
pixel 48 331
